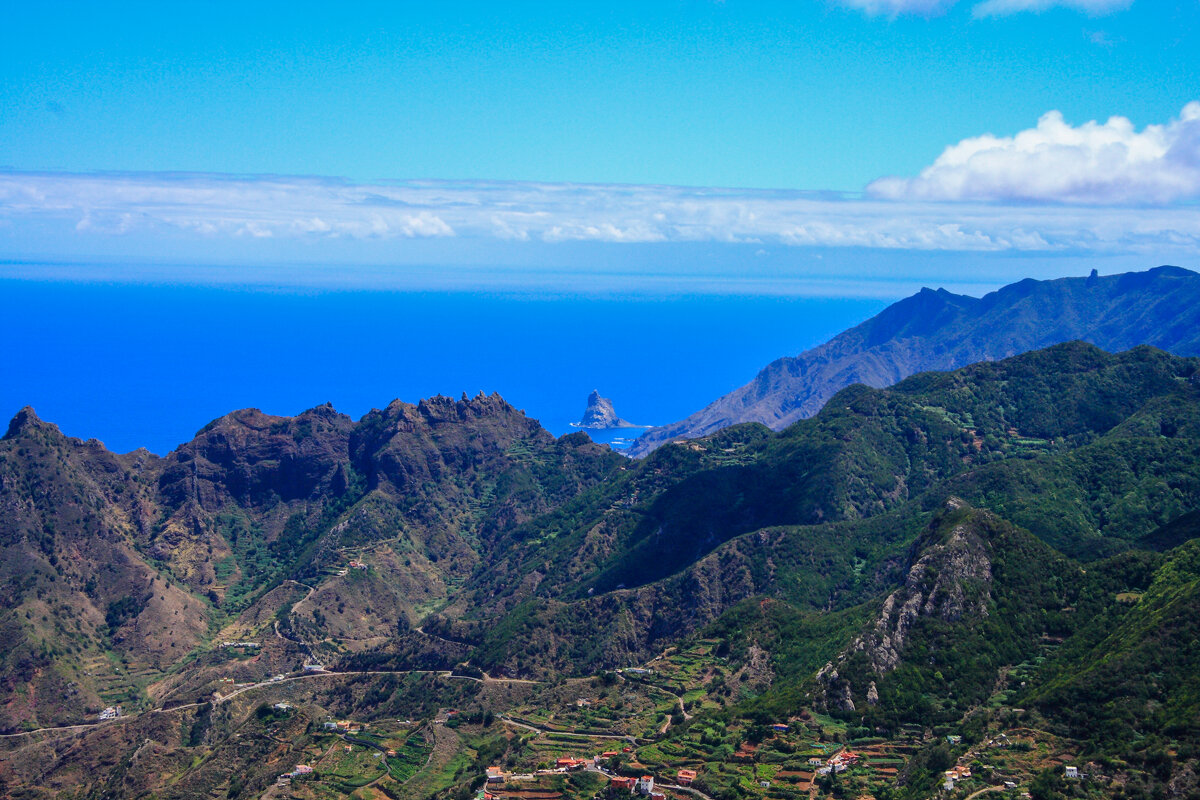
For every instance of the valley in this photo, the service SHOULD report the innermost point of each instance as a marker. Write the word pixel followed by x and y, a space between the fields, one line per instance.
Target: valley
pixel 977 581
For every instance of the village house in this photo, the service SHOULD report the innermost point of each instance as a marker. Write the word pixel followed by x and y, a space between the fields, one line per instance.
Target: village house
pixel 330 725
pixel 314 667
pixel 569 763
pixel 645 784
pixel 685 777
pixel 626 784
pixel 495 775
pixel 284 707
pixel 1071 773
pixel 779 727
pixel 301 770
pixel 112 712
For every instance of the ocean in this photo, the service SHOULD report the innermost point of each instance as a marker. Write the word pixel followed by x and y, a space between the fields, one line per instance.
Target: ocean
pixel 147 365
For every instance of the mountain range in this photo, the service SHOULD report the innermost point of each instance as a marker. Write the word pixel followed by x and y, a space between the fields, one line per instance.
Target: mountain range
pixel 939 330
pixel 993 569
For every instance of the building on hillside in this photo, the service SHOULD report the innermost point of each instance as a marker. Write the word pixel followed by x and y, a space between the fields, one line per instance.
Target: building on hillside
pixel 313 666
pixel 284 707
pixel 685 777
pixel 815 762
pixel 112 712
pixel 626 784
pixel 779 727
pixel 1071 773
pixel 645 784
pixel 495 775
pixel 330 725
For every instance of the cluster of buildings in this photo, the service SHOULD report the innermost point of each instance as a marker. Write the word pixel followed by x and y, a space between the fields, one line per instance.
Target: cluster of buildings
pixel 838 762
pixel 954 774
pixel 643 786
pixel 112 712
pixel 300 771
pixel 341 726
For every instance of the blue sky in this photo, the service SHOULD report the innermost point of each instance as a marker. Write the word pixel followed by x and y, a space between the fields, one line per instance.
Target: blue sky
pixel 212 204
pixel 523 116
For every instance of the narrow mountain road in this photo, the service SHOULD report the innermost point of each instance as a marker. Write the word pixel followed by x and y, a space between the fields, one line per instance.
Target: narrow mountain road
pixel 985 790
pixel 542 731
pixel 444 674
pixel 689 790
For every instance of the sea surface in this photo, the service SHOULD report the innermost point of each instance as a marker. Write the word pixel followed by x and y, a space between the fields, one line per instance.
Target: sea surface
pixel 138 365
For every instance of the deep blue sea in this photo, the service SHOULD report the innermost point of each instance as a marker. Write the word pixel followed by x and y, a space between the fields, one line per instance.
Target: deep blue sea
pixel 148 365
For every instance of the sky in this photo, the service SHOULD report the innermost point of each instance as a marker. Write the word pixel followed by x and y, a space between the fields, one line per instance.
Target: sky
pixel 206 205
pixel 412 144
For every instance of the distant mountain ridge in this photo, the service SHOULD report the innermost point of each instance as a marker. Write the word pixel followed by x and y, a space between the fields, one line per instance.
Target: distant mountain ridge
pixel 940 330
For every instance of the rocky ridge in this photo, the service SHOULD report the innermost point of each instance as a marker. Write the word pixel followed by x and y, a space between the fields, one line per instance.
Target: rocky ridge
pixel 940 330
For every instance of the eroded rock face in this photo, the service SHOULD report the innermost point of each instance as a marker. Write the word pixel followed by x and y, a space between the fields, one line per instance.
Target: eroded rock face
pixel 950 579
pixel 600 414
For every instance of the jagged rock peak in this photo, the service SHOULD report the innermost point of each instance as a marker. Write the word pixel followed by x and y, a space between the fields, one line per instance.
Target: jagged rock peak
pixel 27 420
pixel 442 408
pixel 600 414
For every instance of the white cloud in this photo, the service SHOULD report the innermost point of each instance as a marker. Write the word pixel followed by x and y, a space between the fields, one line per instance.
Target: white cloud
pixel 1093 163
pixel 999 8
pixel 196 212
pixel 988 8
pixel 894 8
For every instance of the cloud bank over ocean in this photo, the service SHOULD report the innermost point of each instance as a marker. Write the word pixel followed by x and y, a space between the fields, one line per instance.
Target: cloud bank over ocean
pixel 924 213
pixel 1052 192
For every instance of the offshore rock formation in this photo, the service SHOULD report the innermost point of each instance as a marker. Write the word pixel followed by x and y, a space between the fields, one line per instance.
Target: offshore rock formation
pixel 600 414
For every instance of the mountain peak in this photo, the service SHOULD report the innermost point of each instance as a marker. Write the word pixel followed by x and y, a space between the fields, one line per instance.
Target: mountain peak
pixel 27 420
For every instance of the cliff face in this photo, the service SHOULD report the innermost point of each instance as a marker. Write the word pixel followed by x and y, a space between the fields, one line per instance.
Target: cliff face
pixel 600 414
pixel 950 580
pixel 938 330
pixel 123 557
